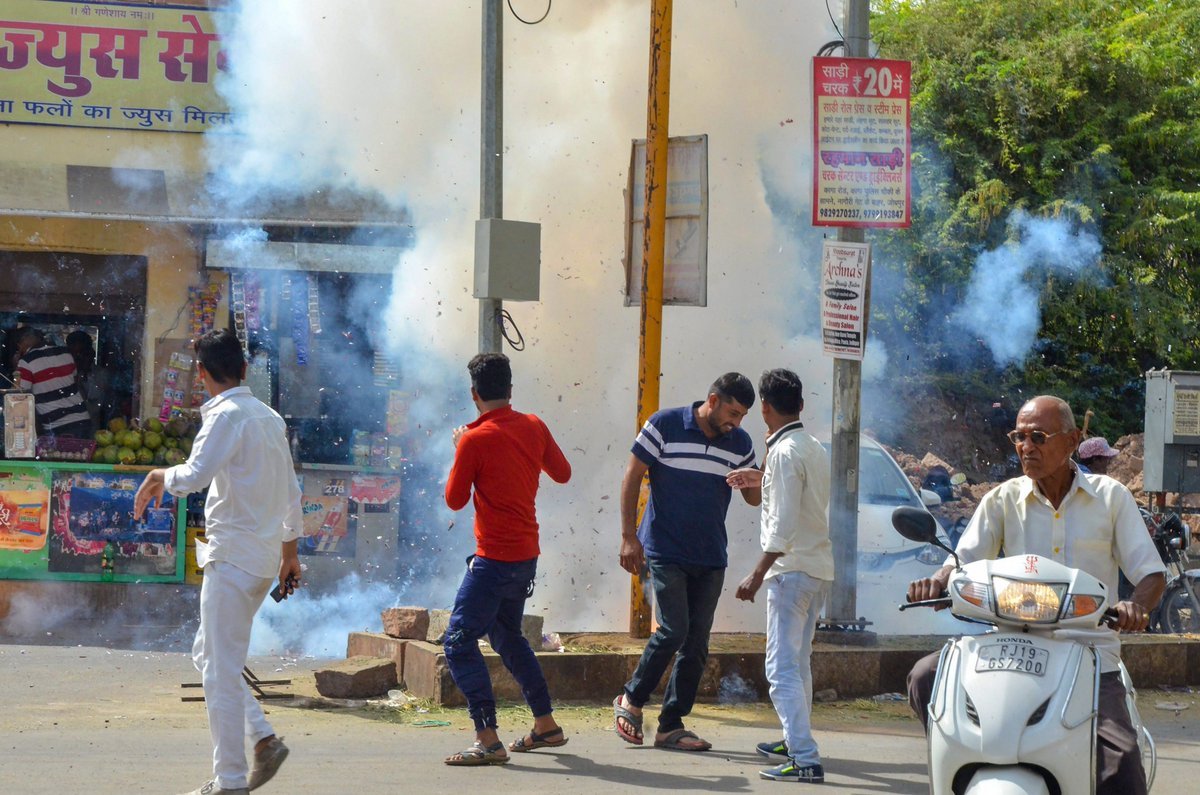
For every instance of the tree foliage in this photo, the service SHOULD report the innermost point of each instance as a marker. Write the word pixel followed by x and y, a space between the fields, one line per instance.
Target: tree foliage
pixel 1086 110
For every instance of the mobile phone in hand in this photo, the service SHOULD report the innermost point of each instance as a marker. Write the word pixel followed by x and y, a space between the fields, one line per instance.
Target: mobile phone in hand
pixel 278 592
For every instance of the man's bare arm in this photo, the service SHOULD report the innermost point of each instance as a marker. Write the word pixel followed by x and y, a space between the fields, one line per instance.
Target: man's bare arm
pixel 633 558
pixel 1134 615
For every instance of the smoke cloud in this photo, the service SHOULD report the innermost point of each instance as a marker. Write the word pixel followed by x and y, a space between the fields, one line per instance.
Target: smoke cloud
pixel 384 98
pixel 1001 306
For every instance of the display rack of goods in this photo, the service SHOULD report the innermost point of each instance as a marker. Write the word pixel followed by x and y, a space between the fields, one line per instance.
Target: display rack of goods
pixel 65 448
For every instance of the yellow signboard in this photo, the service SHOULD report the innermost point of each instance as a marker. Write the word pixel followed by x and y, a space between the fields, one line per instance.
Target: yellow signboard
pixel 109 65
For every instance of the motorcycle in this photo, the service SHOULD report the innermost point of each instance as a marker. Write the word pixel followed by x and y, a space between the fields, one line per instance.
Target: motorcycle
pixel 1179 610
pixel 1013 711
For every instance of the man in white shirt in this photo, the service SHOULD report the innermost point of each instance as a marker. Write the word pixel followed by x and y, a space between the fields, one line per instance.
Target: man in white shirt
pixel 252 522
pixel 1085 521
pixel 796 565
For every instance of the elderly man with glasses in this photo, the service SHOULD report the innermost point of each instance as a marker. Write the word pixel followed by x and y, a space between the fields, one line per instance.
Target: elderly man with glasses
pixel 1085 521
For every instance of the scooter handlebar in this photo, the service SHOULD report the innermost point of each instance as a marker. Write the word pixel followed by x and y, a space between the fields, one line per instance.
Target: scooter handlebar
pixel 945 601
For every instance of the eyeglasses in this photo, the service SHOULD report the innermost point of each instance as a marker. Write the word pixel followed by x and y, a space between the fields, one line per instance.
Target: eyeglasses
pixel 1037 437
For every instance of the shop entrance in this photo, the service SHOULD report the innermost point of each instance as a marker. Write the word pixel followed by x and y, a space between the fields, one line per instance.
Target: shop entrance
pixel 60 292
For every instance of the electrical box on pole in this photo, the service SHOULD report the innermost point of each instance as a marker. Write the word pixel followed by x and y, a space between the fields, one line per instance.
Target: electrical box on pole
pixel 507 259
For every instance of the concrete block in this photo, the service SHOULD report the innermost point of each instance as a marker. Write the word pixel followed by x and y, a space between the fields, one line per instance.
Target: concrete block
pixel 438 621
pixel 373 644
pixel 427 676
pixel 531 628
pixel 357 677
pixel 1152 664
pixel 852 672
pixel 406 622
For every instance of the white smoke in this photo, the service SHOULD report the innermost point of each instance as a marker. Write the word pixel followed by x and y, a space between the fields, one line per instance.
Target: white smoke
pixel 385 97
pixel 1001 306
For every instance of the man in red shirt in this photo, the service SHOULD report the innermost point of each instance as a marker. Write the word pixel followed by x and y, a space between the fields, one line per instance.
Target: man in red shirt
pixel 501 455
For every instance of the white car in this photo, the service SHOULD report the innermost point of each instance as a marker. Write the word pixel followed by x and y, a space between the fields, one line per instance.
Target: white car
pixel 888 562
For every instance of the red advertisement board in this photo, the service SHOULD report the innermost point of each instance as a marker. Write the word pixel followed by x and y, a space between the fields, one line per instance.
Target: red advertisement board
pixel 861 142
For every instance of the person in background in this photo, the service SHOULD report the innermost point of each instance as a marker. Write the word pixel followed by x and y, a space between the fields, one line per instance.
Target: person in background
pixel 48 371
pixel 688 452
pixel 1096 455
pixel 500 456
pixel 796 565
pixel 252 521
pixel 92 380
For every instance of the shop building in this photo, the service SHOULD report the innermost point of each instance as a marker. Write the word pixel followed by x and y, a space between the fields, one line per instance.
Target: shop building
pixel 112 222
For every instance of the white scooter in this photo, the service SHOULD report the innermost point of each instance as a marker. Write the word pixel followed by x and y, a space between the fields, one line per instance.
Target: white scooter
pixel 1013 711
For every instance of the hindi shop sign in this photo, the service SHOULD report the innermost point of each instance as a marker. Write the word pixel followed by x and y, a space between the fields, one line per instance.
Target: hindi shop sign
pixel 861 142
pixel 845 271
pixel 115 66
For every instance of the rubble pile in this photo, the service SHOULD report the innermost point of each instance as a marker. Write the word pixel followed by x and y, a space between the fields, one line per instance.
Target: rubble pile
pixel 1126 467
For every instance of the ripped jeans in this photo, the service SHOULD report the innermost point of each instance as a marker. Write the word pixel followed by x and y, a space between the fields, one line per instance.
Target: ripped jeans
pixel 491 601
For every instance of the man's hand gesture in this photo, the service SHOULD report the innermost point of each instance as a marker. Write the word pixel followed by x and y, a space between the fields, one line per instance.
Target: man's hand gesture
pixel 633 556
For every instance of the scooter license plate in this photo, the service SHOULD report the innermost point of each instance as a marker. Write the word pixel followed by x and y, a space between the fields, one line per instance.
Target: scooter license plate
pixel 1017 657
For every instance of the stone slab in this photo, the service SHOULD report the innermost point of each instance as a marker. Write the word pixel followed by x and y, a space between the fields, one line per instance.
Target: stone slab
pixel 854 672
pixel 357 677
pixel 373 644
pixel 531 628
pixel 411 623
pixel 438 621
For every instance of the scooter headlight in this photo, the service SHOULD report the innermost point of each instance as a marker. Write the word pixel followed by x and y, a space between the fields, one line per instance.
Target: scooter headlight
pixel 1029 602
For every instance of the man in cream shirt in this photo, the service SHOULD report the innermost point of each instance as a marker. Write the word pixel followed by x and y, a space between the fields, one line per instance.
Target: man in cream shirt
pixel 796 566
pixel 1088 522
pixel 252 522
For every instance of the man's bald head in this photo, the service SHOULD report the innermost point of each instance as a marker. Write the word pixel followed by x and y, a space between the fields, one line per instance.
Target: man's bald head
pixel 1044 403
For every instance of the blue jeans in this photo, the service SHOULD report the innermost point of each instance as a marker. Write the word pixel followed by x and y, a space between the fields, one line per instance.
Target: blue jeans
pixel 686 599
pixel 491 601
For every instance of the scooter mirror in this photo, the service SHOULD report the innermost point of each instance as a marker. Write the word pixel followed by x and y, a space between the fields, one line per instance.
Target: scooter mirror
pixel 920 526
pixel 915 525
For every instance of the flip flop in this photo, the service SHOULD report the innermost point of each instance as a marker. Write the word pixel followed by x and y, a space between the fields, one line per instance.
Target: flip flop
pixel 672 741
pixel 478 755
pixel 634 720
pixel 539 741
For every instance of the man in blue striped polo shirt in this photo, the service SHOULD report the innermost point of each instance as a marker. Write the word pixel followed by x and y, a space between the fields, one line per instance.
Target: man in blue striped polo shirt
pixel 688 452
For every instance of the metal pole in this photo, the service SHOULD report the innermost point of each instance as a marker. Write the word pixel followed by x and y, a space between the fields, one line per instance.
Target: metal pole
pixel 653 253
pixel 847 394
pixel 491 157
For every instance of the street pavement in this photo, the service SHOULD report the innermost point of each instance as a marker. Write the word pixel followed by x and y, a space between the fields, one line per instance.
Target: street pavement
pixel 92 720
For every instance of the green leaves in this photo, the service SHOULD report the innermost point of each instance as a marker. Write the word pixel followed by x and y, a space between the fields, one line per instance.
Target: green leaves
pixel 1087 110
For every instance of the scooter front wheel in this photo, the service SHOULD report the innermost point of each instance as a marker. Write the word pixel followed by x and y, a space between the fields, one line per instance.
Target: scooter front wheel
pixel 1010 780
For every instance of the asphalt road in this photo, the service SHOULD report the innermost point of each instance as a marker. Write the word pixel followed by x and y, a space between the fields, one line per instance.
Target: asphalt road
pixel 93 720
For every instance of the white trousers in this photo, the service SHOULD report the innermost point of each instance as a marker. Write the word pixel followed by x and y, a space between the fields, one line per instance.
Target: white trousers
pixel 794 602
pixel 229 598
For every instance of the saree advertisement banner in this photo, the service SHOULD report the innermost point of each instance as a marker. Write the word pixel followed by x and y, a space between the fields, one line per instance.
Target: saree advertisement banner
pixel 108 65
pixel 862 143
pixel 75 522
pixel 24 511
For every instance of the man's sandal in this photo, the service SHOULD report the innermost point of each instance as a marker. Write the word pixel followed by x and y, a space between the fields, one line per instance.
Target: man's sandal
pixel 619 713
pixel 539 741
pixel 674 741
pixel 478 755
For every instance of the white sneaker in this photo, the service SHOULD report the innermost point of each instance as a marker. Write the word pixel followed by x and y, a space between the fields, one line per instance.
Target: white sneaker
pixel 267 762
pixel 211 788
